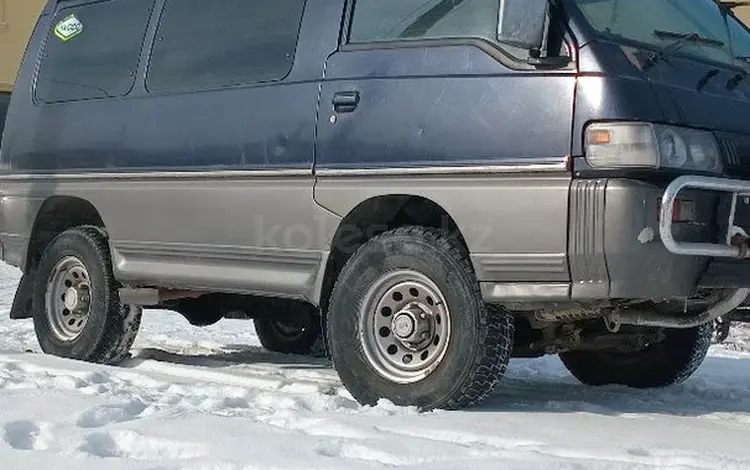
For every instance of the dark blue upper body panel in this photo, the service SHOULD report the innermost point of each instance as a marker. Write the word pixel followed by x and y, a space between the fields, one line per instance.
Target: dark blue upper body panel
pixel 263 126
pixel 450 103
pixel 4 102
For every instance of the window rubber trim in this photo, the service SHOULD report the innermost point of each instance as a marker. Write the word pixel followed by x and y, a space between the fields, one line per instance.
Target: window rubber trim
pixel 493 49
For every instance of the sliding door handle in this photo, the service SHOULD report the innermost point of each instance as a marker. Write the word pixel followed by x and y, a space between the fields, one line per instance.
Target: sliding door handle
pixel 345 101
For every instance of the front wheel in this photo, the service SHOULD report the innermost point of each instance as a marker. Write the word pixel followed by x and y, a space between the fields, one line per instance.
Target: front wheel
pixel 667 362
pixel 407 323
pixel 76 306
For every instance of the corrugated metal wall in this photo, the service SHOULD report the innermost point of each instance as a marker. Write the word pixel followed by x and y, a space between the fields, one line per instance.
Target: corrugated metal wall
pixel 17 18
pixel 744 14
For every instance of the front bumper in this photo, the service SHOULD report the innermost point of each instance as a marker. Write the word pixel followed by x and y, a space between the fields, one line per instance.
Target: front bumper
pixel 728 267
pixel 727 247
pixel 625 244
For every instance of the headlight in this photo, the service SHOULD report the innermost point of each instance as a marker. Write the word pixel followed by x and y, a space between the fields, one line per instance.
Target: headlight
pixel 644 145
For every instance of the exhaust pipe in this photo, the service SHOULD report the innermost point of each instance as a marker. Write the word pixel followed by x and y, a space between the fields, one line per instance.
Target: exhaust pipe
pixel 717 310
pixel 148 297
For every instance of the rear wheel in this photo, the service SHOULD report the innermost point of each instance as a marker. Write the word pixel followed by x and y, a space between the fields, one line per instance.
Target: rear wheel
pixel 407 323
pixel 77 311
pixel 290 328
pixel 667 362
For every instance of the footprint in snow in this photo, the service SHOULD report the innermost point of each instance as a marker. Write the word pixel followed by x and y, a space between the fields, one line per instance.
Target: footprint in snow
pixel 132 445
pixel 336 448
pixel 108 414
pixel 27 435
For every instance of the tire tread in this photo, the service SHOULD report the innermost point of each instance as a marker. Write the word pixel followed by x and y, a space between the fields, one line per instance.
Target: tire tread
pixel 122 321
pixel 669 364
pixel 496 324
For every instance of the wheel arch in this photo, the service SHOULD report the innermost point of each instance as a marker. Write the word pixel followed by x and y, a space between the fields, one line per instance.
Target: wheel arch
pixel 55 215
pixel 374 216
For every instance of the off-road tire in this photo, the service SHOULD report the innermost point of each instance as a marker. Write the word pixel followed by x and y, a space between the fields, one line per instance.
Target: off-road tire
pixel 111 328
pixel 481 339
pixel 666 363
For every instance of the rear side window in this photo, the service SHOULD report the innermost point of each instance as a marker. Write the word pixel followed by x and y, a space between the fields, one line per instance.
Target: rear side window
pixel 211 44
pixel 92 51
pixel 396 20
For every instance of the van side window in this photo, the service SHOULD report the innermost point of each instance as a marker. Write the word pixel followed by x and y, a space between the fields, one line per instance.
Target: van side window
pixel 397 20
pixel 92 51
pixel 211 44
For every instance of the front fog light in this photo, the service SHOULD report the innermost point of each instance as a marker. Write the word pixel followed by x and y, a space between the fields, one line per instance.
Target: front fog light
pixel 644 145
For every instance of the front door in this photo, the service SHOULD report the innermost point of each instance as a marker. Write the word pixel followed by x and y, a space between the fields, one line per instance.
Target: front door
pixel 426 87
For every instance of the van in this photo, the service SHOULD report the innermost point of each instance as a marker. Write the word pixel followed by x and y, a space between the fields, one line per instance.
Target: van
pixel 419 190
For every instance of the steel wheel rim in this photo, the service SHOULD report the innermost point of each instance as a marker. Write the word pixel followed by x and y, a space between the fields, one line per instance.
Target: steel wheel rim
pixel 405 326
pixel 68 298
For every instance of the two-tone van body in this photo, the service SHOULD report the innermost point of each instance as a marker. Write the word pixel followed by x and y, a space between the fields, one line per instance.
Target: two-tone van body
pixel 433 187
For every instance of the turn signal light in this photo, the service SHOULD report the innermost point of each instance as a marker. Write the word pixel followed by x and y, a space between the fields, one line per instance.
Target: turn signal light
pixel 599 137
pixel 683 210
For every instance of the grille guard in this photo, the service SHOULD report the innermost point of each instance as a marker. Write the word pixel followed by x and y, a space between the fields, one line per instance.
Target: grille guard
pixel 716 250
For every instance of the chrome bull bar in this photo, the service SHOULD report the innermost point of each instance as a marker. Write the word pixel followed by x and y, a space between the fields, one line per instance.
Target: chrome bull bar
pixel 738 188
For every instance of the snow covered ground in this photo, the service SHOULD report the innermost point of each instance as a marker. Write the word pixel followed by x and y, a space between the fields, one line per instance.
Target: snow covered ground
pixel 213 399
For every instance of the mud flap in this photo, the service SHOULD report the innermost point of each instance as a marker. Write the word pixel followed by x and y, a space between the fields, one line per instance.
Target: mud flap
pixel 21 308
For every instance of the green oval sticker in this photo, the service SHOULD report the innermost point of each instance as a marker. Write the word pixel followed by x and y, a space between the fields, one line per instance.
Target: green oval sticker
pixel 68 28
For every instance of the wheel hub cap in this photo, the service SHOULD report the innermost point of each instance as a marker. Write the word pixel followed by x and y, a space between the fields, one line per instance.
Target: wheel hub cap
pixel 405 325
pixel 67 299
pixel 414 325
pixel 71 299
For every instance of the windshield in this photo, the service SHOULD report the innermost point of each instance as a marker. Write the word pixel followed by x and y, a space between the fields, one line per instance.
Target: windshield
pixel 642 20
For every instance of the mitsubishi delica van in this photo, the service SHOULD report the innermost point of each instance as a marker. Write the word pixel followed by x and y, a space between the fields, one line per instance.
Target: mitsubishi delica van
pixel 420 190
